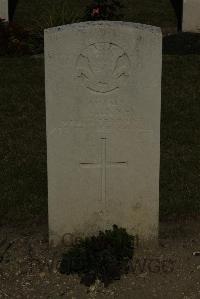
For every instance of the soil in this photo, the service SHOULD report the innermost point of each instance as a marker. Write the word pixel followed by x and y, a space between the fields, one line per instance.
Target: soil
pixel 28 269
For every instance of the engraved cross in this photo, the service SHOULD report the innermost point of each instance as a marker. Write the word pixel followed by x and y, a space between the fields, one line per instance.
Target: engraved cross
pixel 104 165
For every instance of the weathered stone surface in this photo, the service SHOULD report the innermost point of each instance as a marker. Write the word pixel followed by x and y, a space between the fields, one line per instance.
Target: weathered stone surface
pixel 103 98
pixel 4 9
pixel 191 16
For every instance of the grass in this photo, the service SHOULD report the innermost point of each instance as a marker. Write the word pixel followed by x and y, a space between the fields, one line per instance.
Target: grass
pixel 180 136
pixel 153 12
pixel 23 185
pixel 38 14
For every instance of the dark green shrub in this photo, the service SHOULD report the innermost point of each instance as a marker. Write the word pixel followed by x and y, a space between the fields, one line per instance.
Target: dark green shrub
pixel 104 10
pixel 60 13
pixel 104 257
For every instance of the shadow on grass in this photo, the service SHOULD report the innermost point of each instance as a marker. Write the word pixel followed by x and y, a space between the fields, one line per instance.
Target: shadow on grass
pixel 182 44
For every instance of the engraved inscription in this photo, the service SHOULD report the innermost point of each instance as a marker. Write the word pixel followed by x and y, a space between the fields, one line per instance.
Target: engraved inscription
pixel 103 67
pixel 109 109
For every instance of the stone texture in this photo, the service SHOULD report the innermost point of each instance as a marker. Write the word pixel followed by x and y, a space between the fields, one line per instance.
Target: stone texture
pixel 191 16
pixel 103 98
pixel 4 9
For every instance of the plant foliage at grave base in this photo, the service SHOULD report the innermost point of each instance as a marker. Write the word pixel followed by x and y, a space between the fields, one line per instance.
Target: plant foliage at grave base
pixel 16 40
pixel 105 257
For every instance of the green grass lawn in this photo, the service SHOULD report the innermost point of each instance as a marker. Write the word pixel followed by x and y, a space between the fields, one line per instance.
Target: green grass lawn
pixel 39 14
pixel 180 136
pixel 23 185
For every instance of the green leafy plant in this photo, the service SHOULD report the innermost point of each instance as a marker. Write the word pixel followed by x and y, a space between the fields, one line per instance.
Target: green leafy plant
pixel 57 14
pixel 104 10
pixel 104 257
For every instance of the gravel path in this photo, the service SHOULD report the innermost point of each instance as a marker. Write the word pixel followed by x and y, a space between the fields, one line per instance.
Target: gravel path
pixel 29 270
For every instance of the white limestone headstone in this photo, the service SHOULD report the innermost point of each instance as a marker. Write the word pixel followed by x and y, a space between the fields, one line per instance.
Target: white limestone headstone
pixel 4 10
pixel 191 16
pixel 103 98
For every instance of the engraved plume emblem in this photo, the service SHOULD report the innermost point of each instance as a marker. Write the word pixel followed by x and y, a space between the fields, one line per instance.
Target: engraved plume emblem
pixel 103 67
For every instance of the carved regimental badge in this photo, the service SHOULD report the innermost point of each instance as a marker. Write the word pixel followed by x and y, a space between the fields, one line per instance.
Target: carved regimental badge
pixel 103 67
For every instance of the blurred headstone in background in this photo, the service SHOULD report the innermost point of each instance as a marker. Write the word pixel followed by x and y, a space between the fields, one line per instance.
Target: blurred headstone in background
pixel 4 10
pixel 191 16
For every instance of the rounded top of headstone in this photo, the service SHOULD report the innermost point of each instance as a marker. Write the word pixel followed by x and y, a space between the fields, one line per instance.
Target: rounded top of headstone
pixel 106 24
